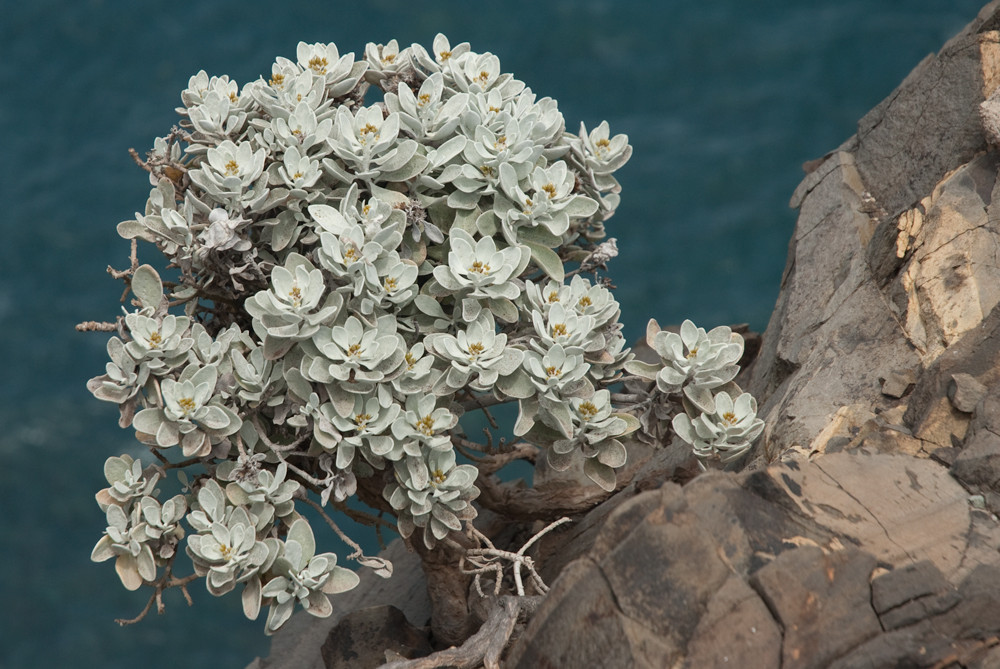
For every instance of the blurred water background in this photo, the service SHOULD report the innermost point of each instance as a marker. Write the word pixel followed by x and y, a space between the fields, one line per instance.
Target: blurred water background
pixel 723 102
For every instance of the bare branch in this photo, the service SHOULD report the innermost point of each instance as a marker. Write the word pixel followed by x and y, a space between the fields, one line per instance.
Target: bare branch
pixel 519 503
pixel 482 648
pixel 340 533
pixel 482 402
pixel 486 559
pixel 142 614
pixel 490 464
pixel 163 583
pixel 277 448
pixel 368 519
pixel 139 161
pixel 167 464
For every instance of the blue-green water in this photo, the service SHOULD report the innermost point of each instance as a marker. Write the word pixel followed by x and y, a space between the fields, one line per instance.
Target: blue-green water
pixel 722 101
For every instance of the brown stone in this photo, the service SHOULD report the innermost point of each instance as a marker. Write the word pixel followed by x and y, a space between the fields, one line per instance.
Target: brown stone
pixel 695 575
pixel 898 382
pixel 578 623
pixel 822 601
pixel 361 638
pixel 737 630
pixel 896 241
pixel 965 391
pixel 910 594
pixel 978 463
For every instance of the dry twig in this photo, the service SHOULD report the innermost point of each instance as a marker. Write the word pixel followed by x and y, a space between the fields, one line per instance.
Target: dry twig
pixel 166 581
pixel 482 648
pixel 484 560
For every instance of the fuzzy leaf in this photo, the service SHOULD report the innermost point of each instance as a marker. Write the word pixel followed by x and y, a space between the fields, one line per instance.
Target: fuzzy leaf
pixel 134 230
pixel 102 551
pixel 558 412
pixel 341 580
pixel 147 286
pixel 428 305
pixel 631 423
pixel 274 348
pixel 128 572
pixel 643 369
pixel 547 260
pixel 612 453
pixel 652 329
pixel 559 461
pixel 517 385
pixel 115 468
pixel 279 614
pixel 538 235
pixel 148 421
pixel 381 566
pixel 487 223
pixel 600 474
pixel 237 495
pixel 503 309
pixel 527 410
pixel 700 397
pixel 297 383
pixel 251 598
pixel 301 533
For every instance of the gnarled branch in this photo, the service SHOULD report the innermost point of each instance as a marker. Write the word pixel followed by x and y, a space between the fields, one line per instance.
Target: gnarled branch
pixel 482 648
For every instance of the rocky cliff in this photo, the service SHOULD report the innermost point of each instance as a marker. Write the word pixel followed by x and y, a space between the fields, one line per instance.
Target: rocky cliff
pixel 863 533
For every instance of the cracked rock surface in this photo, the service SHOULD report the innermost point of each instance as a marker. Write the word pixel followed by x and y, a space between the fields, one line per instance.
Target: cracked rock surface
pixel 825 563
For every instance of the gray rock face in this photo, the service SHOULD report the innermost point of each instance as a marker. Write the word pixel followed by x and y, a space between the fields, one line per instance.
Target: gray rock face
pixel 895 239
pixel 864 532
pixel 362 638
pixel 298 645
pixel 799 565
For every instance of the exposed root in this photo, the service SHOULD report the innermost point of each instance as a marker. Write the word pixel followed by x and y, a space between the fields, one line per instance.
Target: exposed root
pixel 483 648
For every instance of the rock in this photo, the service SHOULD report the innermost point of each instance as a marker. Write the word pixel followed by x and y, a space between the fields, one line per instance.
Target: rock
pixel 770 567
pixel 298 644
pixel 964 392
pixel 954 630
pixel 895 239
pixel 898 382
pixel 823 602
pixel 361 638
pixel 737 622
pixel 978 462
pixel 910 594
pixel 989 116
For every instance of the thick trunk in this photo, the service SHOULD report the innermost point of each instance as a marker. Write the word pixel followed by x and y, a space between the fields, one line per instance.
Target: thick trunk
pixel 448 589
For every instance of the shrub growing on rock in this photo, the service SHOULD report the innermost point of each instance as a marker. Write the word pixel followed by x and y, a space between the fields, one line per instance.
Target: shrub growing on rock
pixel 345 280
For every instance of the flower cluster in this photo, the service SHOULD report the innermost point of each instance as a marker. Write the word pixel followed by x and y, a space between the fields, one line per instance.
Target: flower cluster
pixel 720 421
pixel 349 279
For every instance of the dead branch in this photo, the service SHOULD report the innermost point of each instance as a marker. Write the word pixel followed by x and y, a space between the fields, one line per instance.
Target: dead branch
pixel 482 648
pixel 490 464
pixel 166 581
pixel 487 559
pixel 526 504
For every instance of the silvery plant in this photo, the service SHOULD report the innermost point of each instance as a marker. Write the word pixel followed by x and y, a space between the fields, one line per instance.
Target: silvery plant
pixel 362 254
